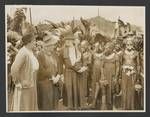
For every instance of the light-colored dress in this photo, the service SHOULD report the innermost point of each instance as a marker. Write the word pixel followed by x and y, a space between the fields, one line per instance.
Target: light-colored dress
pixel 24 73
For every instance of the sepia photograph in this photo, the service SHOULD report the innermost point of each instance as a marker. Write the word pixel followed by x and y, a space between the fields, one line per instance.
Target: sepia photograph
pixel 74 58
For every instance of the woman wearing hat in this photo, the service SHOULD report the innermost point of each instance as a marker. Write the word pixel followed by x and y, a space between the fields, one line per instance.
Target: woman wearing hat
pixel 49 75
pixel 24 73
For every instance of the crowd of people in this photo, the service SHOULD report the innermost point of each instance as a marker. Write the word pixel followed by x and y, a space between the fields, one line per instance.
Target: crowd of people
pixel 82 71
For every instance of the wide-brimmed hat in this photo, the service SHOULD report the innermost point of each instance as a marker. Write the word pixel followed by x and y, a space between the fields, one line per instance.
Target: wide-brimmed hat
pixel 50 39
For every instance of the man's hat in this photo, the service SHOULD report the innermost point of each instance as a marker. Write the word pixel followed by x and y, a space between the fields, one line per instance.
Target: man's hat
pixel 68 35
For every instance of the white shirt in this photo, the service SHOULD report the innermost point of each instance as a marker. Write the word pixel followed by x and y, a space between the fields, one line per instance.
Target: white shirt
pixel 72 55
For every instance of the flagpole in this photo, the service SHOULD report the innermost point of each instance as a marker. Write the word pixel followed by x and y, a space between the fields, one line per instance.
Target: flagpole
pixel 30 16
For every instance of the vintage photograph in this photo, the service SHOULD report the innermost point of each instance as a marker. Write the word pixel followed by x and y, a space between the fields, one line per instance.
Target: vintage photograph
pixel 63 58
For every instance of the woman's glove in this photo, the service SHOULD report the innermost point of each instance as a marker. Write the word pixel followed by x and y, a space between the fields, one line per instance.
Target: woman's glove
pixel 138 87
pixel 56 79
pixel 104 82
pixel 82 69
pixel 62 78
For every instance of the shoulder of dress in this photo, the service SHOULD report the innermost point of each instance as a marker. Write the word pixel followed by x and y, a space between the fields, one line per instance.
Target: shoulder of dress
pixel 22 52
pixel 40 53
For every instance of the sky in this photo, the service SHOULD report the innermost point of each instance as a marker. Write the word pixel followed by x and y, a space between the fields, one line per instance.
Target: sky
pixel 132 14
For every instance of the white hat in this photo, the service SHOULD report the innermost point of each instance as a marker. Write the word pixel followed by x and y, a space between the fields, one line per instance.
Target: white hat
pixel 50 39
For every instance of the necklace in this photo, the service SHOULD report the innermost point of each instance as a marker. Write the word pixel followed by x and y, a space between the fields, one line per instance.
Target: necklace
pixel 129 52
